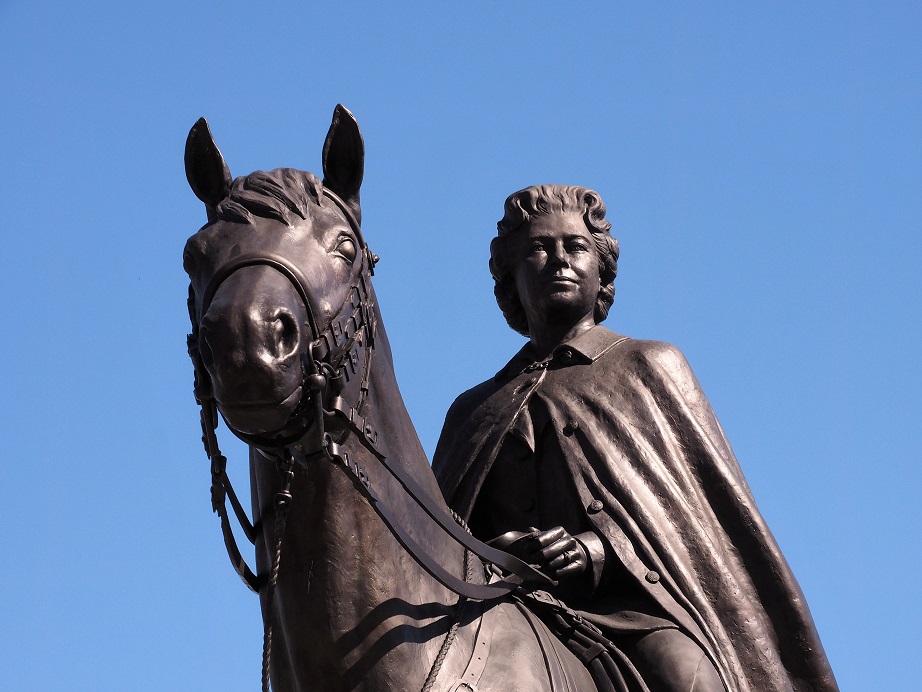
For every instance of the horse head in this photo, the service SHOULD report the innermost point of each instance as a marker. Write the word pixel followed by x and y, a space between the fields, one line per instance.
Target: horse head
pixel 278 281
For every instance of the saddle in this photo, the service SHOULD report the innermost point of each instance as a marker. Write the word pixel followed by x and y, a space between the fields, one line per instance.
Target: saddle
pixel 610 668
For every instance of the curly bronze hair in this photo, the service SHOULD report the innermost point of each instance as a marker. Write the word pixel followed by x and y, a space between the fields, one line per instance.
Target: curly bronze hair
pixel 541 200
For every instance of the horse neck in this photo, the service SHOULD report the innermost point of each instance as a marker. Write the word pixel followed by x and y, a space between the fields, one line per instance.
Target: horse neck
pixel 398 441
pixel 388 412
pixel 346 581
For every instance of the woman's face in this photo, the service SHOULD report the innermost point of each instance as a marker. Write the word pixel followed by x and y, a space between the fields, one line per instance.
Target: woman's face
pixel 556 268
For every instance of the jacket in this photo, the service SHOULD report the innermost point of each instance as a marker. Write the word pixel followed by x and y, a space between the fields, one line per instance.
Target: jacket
pixel 652 470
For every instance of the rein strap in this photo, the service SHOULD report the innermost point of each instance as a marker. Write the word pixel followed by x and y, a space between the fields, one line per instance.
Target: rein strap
pixel 333 355
pixel 510 564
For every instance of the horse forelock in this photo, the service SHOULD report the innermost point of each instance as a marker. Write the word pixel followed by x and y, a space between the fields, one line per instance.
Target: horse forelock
pixel 280 194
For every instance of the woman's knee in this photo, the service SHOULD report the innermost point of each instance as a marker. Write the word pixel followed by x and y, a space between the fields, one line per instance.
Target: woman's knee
pixel 673 662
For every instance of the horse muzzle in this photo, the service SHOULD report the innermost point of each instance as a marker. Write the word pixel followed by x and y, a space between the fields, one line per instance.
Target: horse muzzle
pixel 251 340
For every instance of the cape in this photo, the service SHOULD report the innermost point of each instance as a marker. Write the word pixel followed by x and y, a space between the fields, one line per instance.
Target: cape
pixel 661 486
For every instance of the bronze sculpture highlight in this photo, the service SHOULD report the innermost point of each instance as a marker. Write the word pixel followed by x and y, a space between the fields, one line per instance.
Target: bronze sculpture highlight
pixel 598 458
pixel 359 563
pixel 366 581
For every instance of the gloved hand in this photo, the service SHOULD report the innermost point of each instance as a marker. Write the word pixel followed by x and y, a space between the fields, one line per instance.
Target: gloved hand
pixel 555 552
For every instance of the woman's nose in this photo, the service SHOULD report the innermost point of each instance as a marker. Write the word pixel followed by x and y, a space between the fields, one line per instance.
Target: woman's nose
pixel 559 256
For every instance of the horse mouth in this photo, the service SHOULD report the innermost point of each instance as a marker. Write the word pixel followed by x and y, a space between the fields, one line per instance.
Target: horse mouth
pixel 261 417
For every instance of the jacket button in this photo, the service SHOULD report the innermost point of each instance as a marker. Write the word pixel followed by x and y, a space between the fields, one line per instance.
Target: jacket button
pixel 595 506
pixel 652 577
pixel 571 427
pixel 566 357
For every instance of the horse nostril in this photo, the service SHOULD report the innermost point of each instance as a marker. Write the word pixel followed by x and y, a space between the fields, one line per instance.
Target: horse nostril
pixel 286 334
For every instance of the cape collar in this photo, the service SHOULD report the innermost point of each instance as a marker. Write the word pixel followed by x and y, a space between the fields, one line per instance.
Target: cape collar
pixel 584 348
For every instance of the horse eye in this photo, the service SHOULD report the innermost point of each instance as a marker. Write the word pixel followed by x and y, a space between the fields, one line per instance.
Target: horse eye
pixel 346 248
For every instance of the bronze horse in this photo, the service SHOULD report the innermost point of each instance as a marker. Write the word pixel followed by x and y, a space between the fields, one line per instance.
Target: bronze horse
pixel 358 570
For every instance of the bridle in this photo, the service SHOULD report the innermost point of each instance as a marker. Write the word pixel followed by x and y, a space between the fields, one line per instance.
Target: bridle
pixel 332 353
pixel 331 356
pixel 338 353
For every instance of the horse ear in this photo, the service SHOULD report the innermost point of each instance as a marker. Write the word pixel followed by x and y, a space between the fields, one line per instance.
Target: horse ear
pixel 344 159
pixel 207 173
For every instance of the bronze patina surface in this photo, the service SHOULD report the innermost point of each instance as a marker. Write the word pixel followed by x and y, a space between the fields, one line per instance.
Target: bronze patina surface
pixel 591 456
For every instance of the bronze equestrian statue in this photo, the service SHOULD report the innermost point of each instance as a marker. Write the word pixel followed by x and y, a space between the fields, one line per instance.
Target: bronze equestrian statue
pixel 366 579
pixel 597 458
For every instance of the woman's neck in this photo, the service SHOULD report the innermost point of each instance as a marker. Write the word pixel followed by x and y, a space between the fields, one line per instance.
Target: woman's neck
pixel 549 335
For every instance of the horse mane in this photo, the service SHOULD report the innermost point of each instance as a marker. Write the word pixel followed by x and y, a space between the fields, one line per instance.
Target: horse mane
pixel 276 194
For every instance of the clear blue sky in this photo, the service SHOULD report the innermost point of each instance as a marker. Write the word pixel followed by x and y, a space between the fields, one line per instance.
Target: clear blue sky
pixel 762 165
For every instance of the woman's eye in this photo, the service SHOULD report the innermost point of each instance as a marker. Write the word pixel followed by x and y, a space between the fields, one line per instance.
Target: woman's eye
pixel 346 248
